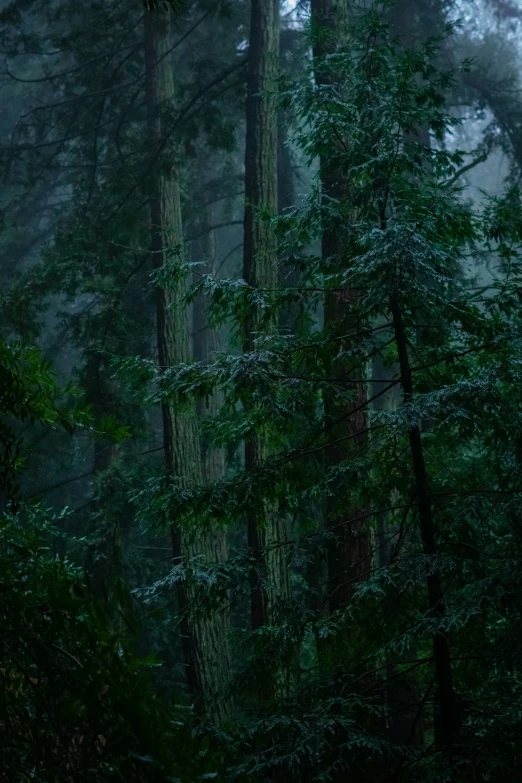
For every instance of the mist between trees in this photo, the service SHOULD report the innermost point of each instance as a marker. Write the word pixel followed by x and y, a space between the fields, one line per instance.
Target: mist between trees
pixel 260 391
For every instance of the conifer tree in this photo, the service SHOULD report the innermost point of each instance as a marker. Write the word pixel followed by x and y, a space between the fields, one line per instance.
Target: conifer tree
pixel 266 524
pixel 204 644
pixel 348 553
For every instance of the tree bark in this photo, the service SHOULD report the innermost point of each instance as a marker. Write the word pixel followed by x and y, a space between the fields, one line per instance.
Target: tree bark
pixel 206 344
pixel 266 525
pixel 204 646
pixel 349 552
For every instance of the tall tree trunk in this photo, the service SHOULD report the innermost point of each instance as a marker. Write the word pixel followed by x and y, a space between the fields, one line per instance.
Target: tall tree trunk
pixel 349 553
pixel 204 647
pixel 404 718
pixel 450 728
pixel 206 344
pixel 206 341
pixel 265 524
pixel 413 22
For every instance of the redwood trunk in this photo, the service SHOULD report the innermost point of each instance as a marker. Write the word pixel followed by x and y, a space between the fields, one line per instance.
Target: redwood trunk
pixel 349 553
pixel 204 645
pixel 266 525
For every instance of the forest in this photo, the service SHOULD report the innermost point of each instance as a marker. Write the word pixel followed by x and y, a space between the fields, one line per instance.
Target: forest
pixel 260 391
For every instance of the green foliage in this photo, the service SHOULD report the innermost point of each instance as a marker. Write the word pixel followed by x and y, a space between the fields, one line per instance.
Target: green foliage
pixel 365 706
pixel 28 394
pixel 403 229
pixel 77 704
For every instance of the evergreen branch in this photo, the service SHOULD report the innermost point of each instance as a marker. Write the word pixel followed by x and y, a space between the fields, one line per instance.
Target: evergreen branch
pixel 464 169
pixel 69 72
pixel 451 356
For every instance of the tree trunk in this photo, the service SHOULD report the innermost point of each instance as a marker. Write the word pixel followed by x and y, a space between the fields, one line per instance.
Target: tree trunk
pixel 413 22
pixel 206 344
pixel 265 524
pixel 443 668
pixel 349 553
pixel 404 718
pixel 204 647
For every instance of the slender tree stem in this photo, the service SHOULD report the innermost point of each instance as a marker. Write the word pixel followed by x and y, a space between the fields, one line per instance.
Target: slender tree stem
pixel 441 652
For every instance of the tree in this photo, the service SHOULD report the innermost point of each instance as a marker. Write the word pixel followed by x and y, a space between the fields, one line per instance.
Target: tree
pixel 407 218
pixel 345 417
pixel 204 644
pixel 266 524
